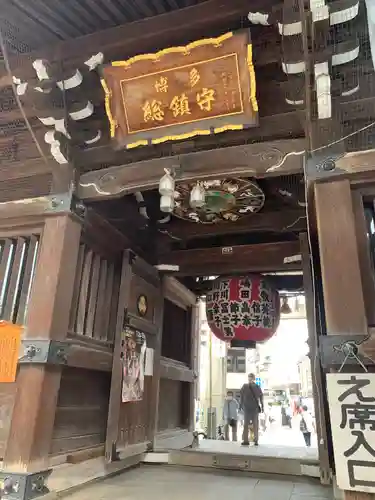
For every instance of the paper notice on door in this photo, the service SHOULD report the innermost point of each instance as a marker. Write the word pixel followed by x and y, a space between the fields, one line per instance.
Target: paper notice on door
pixel 10 341
pixel 149 366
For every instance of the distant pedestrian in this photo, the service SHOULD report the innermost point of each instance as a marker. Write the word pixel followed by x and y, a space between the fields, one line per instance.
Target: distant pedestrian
pixel 288 415
pixel 251 404
pixel 230 416
pixel 307 425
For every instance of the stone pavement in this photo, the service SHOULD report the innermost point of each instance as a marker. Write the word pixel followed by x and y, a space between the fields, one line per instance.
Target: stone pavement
pixel 263 450
pixel 168 483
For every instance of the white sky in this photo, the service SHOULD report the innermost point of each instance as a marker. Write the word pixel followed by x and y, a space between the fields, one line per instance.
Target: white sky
pixel 286 348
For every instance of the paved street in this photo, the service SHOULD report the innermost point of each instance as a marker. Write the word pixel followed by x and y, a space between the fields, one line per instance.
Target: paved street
pixel 285 436
pixel 163 483
pixel 278 435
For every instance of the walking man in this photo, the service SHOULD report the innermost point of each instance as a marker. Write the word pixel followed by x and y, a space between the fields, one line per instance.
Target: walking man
pixel 230 416
pixel 252 404
pixel 306 425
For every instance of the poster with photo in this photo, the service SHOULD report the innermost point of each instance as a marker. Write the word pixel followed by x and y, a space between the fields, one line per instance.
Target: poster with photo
pixel 133 357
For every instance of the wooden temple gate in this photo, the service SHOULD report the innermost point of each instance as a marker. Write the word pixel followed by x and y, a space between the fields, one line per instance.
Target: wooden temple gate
pixel 86 253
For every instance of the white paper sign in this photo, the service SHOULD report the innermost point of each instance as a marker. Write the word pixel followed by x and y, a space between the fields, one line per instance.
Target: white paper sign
pixel 149 367
pixel 351 399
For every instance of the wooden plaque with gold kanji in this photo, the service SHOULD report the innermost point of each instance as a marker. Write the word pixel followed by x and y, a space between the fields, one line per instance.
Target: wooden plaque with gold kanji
pixel 203 88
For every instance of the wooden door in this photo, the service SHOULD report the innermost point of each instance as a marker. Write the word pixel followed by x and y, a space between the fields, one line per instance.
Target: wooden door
pixel 178 367
pixel 132 407
pixel 316 369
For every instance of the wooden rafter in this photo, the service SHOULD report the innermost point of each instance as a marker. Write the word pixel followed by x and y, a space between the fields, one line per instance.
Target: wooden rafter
pixel 280 221
pixel 264 257
pixel 287 282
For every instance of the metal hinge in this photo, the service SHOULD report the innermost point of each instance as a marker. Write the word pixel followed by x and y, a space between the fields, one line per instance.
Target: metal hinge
pixel 44 351
pixel 65 203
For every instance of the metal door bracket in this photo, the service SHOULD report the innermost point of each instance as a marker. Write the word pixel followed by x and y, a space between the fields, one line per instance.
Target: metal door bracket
pixel 23 486
pixel 44 351
pixel 322 164
pixel 342 350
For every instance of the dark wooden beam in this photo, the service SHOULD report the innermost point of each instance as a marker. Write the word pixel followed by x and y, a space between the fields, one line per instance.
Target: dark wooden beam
pixel 289 220
pixel 287 282
pixel 264 257
pixel 175 370
pixel 103 236
pixel 261 159
pixel 271 128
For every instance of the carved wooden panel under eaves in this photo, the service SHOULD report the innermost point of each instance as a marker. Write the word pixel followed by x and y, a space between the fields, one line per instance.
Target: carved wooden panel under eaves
pixel 27 187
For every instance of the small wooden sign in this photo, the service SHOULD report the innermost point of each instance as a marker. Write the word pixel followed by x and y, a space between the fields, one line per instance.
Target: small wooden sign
pixel 10 339
pixel 205 87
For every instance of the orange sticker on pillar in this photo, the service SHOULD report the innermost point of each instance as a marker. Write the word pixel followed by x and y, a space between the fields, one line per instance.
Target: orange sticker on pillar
pixel 10 340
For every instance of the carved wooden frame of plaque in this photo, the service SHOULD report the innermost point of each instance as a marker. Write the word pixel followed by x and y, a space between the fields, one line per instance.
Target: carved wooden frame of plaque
pixel 122 82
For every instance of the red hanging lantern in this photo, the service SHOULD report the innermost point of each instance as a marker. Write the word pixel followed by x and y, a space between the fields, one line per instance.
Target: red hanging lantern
pixel 243 310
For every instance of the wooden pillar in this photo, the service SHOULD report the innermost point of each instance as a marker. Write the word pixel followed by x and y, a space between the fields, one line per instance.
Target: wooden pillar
pixel 320 414
pixel 342 285
pixel 48 317
pixel 153 420
pixel 195 345
pixel 340 267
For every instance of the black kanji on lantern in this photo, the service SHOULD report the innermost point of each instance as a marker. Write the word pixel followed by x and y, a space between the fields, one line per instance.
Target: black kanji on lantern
pixel 246 283
pixel 216 308
pixel 245 308
pixel 246 320
pixel 216 285
pixel 224 285
pixel 234 307
pixel 224 294
pixel 228 331
pixel 235 318
pixel 245 294
pixel 266 308
pixel 264 295
pixel 217 321
pixel 256 320
pixel 267 321
pixel 255 307
pixel 224 307
pixel 225 319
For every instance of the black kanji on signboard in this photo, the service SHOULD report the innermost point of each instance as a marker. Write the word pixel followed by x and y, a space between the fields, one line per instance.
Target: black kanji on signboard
pixel 352 464
pixel 356 389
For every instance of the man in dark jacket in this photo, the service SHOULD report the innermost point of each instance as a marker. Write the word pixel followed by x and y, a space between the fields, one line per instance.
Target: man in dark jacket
pixel 251 403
